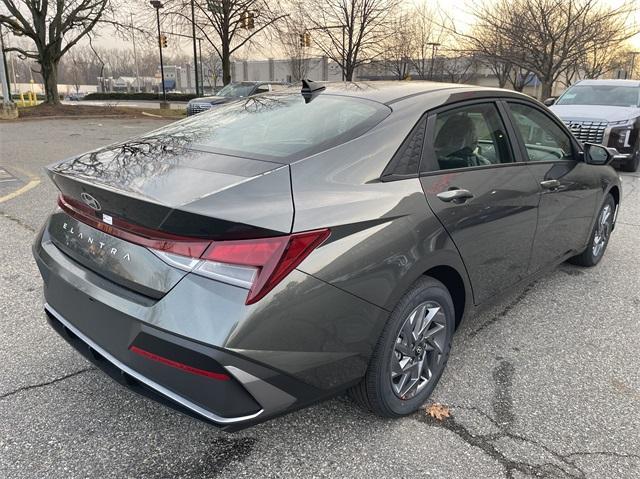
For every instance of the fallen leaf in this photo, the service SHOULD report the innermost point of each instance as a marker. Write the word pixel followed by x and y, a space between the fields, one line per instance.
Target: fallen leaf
pixel 438 411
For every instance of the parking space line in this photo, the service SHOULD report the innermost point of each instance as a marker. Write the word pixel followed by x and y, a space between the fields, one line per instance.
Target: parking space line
pixel 32 184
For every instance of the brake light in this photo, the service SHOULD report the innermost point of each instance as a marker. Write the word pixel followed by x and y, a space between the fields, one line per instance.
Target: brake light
pixel 261 263
pixel 257 264
pixel 136 234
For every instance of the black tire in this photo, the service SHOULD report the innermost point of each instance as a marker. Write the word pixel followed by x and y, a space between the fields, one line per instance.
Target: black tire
pixel 631 166
pixel 376 390
pixel 591 256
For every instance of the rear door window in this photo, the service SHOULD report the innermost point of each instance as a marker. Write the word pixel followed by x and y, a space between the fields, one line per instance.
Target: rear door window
pixel 469 136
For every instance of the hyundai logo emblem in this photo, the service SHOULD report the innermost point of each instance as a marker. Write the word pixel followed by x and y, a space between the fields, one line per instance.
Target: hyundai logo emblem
pixel 91 201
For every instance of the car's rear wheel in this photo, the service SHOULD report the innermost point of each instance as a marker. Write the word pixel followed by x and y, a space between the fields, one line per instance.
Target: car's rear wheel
pixel 632 165
pixel 411 353
pixel 599 239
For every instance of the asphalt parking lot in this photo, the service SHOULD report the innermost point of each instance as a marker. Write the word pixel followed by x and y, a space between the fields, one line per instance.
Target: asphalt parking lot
pixel 544 384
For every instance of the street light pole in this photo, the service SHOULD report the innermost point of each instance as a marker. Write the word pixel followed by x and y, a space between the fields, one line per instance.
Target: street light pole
pixel 195 55
pixel 157 4
pixel 344 53
pixel 135 54
pixel 201 67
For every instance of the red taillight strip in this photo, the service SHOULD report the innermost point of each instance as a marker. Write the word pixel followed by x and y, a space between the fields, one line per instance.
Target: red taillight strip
pixel 178 365
pixel 135 234
pixel 274 257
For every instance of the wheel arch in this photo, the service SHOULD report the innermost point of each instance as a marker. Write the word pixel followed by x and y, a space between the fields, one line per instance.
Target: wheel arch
pixel 615 192
pixel 452 280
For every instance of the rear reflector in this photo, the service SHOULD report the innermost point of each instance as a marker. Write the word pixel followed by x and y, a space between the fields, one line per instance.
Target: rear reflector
pixel 178 365
pixel 257 264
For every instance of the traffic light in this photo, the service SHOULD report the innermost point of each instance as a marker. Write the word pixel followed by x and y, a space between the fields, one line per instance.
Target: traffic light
pixel 243 19
pixel 250 24
pixel 305 39
pixel 163 41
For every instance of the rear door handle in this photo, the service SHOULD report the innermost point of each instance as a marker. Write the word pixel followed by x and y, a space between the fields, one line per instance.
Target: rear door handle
pixel 550 184
pixel 455 196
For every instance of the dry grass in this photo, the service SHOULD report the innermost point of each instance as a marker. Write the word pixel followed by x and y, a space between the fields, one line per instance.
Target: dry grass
pixel 44 110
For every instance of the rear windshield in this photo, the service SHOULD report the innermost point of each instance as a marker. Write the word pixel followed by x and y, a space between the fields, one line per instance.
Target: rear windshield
pixel 611 95
pixel 281 127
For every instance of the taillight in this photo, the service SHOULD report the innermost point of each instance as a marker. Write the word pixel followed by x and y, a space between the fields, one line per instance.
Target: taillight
pixel 258 264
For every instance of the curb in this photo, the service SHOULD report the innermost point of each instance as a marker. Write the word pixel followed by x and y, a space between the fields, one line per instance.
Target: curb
pixel 88 117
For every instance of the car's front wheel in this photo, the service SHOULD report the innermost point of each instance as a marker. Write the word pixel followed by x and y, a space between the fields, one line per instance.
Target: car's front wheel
pixel 599 239
pixel 411 353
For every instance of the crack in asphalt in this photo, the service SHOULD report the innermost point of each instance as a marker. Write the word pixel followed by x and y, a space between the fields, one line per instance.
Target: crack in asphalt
pixel 47 383
pixel 486 443
pixel 17 221
pixel 504 312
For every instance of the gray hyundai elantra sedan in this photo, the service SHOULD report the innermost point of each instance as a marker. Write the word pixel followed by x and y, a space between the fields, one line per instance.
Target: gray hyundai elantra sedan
pixel 287 247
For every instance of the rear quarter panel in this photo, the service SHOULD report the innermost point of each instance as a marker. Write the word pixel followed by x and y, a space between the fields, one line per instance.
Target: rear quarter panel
pixel 384 236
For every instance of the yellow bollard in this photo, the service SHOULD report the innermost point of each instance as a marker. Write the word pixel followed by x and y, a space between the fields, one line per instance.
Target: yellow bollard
pixel 22 99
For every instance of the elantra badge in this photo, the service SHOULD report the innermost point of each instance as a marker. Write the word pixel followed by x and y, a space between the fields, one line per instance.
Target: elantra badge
pixel 90 201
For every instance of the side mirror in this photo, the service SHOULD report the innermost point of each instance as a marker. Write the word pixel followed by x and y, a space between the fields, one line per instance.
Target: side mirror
pixel 598 154
pixel 550 101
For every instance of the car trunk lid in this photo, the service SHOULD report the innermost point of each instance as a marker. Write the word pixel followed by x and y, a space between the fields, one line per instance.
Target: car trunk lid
pixel 162 195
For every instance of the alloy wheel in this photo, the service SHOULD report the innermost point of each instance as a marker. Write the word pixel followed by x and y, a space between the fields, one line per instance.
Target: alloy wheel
pixel 418 350
pixel 603 229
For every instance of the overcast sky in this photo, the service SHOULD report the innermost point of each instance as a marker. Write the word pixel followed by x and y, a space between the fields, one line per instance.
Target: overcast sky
pixel 457 9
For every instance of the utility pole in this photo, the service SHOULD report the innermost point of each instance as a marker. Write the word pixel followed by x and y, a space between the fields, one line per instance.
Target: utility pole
pixel 195 55
pixel 135 53
pixel 434 46
pixel 164 104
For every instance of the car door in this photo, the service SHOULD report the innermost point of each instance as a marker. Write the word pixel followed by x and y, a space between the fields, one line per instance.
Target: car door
pixel 485 199
pixel 568 190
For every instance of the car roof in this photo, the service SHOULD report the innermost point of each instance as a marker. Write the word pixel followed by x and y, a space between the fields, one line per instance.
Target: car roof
pixel 389 92
pixel 612 82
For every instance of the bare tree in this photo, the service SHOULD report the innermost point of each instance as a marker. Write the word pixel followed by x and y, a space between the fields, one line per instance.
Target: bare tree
pixel 547 37
pixel 351 32
pixel 428 27
pixel 458 68
pixel 399 46
pixel 227 25
pixel 54 28
pixel 295 38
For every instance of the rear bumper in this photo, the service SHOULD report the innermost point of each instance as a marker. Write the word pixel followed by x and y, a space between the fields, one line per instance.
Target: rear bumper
pixel 140 382
pixel 273 358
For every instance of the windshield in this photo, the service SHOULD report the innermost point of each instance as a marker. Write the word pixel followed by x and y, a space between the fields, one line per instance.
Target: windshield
pixel 612 95
pixel 277 126
pixel 236 90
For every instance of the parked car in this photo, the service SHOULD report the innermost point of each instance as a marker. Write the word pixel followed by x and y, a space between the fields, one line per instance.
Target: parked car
pixel 76 96
pixel 291 246
pixel 607 112
pixel 233 91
